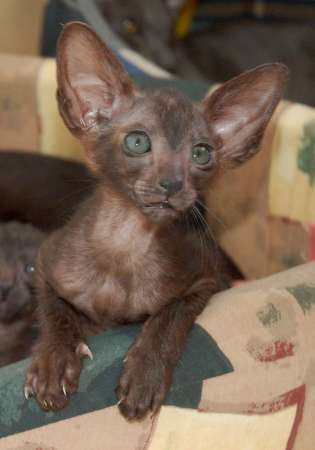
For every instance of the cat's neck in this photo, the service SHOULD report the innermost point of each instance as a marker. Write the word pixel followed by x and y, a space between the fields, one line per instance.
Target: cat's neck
pixel 118 218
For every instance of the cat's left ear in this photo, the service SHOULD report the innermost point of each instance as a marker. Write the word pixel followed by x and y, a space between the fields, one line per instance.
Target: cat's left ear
pixel 238 112
pixel 93 86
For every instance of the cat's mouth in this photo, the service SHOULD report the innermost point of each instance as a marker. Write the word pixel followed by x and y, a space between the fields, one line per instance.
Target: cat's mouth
pixel 160 211
pixel 160 205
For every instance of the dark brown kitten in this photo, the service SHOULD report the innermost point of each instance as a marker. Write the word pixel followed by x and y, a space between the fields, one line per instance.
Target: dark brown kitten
pixel 19 245
pixel 129 254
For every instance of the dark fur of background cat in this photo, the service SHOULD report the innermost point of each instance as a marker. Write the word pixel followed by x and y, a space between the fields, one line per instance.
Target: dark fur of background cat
pixel 228 48
pixel 19 244
pixel 41 190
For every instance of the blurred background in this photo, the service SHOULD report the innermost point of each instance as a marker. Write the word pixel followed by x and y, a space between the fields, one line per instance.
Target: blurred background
pixel 204 40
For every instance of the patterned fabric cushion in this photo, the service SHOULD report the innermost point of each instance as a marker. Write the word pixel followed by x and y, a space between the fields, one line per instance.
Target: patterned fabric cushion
pixel 245 379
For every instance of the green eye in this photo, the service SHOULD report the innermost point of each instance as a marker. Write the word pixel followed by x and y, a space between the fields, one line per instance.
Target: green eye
pixel 137 143
pixel 201 154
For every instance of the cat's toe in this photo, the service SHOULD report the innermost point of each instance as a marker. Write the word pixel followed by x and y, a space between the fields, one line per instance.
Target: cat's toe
pixel 83 350
pixel 52 378
pixel 142 387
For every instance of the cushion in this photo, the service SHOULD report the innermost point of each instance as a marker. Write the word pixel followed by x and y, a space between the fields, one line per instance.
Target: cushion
pixel 248 368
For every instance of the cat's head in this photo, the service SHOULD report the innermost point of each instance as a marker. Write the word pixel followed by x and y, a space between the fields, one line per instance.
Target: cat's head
pixel 158 148
pixel 19 244
pixel 146 26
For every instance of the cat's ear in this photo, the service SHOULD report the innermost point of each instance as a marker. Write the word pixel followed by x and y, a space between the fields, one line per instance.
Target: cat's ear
pixel 93 86
pixel 239 110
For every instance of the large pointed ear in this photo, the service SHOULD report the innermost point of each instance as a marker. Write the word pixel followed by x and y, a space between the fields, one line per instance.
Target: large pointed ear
pixel 239 110
pixel 93 86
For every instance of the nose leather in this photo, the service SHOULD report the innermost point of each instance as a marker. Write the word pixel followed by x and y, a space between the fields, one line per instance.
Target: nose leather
pixel 171 185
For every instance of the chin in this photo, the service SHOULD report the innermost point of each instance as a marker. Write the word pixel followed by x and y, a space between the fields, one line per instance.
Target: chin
pixel 160 214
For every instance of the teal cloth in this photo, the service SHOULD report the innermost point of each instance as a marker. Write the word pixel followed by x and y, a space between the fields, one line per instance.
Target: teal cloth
pixel 202 359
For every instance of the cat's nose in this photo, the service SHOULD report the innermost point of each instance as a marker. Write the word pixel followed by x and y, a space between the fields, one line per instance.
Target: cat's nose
pixel 171 185
pixel 4 290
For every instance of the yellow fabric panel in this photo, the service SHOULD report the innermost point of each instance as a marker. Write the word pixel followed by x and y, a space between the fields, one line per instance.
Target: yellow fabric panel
pixel 188 429
pixel 291 194
pixel 19 124
pixel 55 138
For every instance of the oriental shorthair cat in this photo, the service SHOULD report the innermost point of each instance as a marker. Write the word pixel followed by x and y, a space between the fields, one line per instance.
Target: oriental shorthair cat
pixel 129 253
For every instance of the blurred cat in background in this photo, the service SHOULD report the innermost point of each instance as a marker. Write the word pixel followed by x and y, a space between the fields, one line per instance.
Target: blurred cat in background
pixel 148 28
pixel 221 49
pixel 19 244
pixel 38 193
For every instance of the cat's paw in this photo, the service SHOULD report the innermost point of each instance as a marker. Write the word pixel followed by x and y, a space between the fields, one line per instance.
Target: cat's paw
pixel 53 377
pixel 143 384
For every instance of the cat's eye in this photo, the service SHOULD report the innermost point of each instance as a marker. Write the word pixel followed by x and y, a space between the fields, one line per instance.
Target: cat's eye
pixel 130 26
pixel 137 143
pixel 29 268
pixel 201 154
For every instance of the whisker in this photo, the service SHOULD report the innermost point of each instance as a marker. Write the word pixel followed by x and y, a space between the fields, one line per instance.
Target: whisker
pixel 210 235
pixel 73 193
pixel 219 221
pixel 205 224
pixel 200 237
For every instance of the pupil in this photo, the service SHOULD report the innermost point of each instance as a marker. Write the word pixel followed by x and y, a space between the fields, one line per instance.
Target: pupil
pixel 137 142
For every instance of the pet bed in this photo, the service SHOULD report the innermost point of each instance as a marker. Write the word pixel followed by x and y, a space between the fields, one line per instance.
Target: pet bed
pixel 246 380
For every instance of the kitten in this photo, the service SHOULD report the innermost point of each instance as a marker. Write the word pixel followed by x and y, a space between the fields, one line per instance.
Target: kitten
pixel 19 244
pixel 128 253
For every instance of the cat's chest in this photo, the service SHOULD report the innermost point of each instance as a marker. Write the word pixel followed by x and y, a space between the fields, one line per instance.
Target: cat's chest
pixel 135 275
pixel 132 290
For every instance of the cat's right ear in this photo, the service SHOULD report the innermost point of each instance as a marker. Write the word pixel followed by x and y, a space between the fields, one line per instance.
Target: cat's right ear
pixel 238 112
pixel 93 86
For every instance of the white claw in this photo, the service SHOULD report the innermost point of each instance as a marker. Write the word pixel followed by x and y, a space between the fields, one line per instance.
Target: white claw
pixel 125 359
pixel 27 393
pixel 119 401
pixel 64 390
pixel 45 404
pixel 83 350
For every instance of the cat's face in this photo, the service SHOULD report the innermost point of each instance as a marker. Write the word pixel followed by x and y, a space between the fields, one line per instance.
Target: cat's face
pixel 146 26
pixel 158 148
pixel 162 156
pixel 19 244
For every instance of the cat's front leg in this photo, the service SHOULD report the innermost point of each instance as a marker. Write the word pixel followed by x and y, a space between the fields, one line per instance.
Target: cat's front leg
pixel 55 370
pixel 149 363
